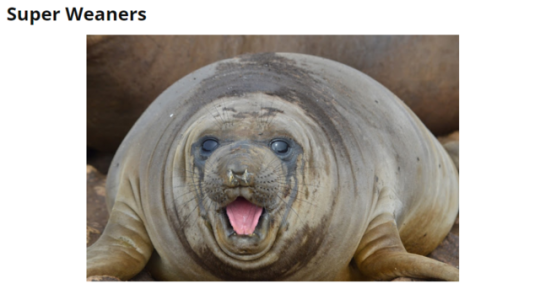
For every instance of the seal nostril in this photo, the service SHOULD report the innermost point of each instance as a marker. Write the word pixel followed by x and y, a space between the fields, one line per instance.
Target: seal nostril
pixel 238 173
pixel 239 178
pixel 236 168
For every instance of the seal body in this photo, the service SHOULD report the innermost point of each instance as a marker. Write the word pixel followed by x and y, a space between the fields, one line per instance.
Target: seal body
pixel 277 167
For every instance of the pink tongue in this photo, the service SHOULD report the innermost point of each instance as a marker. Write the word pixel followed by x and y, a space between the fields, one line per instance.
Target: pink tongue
pixel 243 216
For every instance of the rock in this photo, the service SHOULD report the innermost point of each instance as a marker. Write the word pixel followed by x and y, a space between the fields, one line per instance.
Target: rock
pixel 448 250
pixel 102 278
pixel 451 144
pixel 406 279
pixel 143 276
pixel 96 209
pixel 449 138
pixel 99 160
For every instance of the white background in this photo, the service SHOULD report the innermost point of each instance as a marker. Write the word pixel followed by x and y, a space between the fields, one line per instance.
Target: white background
pixel 43 123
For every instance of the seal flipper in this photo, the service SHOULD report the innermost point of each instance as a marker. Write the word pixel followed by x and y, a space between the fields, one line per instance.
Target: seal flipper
pixel 124 248
pixel 382 256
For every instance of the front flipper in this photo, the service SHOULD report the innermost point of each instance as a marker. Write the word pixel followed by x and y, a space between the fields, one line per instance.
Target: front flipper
pixel 124 248
pixel 382 256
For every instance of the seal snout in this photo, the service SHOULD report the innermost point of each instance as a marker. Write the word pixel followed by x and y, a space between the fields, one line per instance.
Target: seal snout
pixel 239 178
pixel 239 173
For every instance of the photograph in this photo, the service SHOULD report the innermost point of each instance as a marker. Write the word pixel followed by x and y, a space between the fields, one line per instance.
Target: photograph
pixel 272 157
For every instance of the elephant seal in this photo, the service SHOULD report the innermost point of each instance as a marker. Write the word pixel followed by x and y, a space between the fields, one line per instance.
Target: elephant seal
pixel 277 167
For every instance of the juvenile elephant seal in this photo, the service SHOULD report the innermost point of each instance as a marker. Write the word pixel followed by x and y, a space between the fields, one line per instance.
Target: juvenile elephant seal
pixel 277 167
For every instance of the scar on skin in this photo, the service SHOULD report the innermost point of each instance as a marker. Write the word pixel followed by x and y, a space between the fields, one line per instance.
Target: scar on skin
pixel 125 242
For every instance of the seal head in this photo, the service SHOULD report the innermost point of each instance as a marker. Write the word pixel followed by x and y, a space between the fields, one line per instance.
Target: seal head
pixel 250 168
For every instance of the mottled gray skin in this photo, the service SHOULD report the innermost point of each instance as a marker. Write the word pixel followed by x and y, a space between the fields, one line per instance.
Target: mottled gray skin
pixel 365 191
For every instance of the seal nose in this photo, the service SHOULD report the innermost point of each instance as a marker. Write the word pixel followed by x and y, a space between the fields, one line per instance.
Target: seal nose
pixel 236 168
pixel 238 175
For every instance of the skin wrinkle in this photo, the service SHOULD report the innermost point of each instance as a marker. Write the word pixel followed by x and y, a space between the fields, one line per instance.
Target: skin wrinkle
pixel 129 226
pixel 130 240
pixel 136 192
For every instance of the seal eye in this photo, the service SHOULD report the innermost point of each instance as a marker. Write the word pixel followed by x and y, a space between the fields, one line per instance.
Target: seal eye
pixel 209 145
pixel 279 146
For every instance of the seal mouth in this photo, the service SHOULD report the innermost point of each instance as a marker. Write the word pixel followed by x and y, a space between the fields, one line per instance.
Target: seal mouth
pixel 244 223
pixel 244 230
pixel 243 216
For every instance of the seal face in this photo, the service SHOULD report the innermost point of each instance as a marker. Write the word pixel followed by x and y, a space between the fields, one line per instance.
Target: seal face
pixel 246 176
pixel 277 167
pixel 250 173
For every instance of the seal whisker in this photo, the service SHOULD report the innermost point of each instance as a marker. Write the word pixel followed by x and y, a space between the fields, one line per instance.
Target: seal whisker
pixel 220 121
pixel 275 114
pixel 187 182
pixel 183 204
pixel 187 217
pixel 307 185
pixel 190 185
pixel 304 201
pixel 186 170
pixel 268 114
pixel 291 209
pixel 191 191
pixel 258 120
pixel 183 225
pixel 223 120
pixel 273 168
